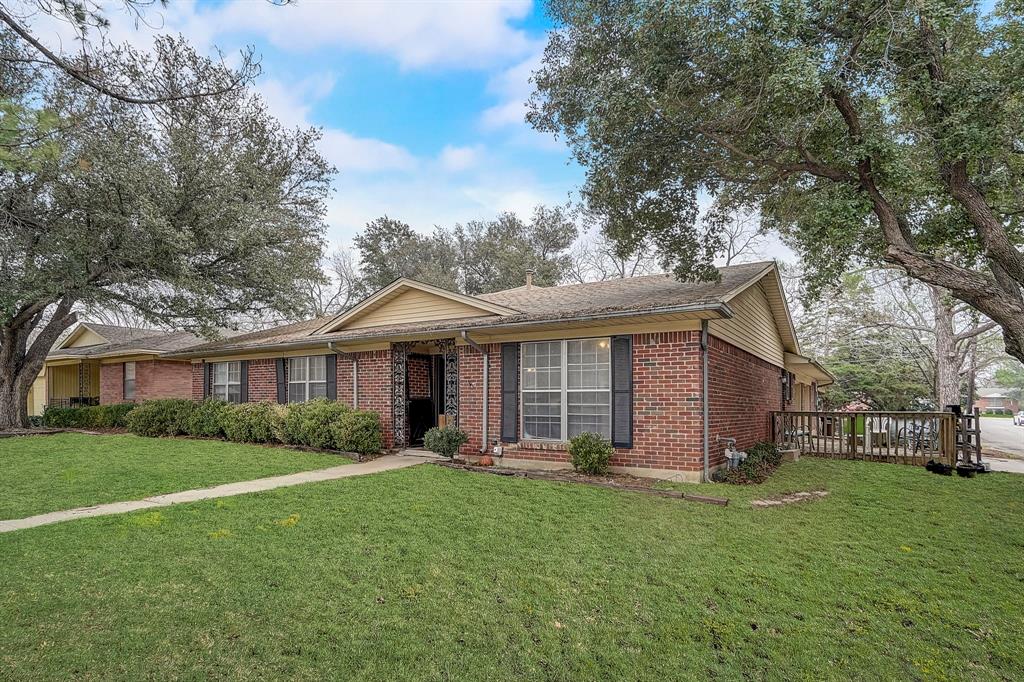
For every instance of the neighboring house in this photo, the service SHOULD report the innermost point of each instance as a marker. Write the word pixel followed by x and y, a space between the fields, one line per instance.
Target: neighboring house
pixel 528 368
pixel 994 399
pixel 101 363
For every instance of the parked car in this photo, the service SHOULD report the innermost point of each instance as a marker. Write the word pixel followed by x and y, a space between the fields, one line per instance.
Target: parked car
pixel 1018 419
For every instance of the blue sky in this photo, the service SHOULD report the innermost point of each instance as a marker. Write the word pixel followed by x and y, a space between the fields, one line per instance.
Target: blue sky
pixel 421 102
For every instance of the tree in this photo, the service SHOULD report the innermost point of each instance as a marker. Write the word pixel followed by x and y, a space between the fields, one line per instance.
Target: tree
pixel 87 17
pixel 188 212
pixel 595 258
pixel 1011 376
pixel 496 254
pixel 866 133
pixel 389 249
pixel 478 257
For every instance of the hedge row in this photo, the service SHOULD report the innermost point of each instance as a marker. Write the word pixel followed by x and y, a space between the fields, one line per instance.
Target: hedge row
pixel 320 423
pixel 93 417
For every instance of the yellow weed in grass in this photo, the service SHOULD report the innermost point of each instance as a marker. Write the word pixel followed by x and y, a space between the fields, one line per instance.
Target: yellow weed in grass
pixel 220 534
pixel 150 520
pixel 288 522
pixel 904 548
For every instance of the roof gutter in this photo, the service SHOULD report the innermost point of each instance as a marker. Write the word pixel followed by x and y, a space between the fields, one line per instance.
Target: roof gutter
pixel 723 310
pixel 486 362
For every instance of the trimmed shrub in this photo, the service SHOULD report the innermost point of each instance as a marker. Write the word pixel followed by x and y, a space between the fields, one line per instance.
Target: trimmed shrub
pixel 248 422
pixel 359 431
pixel 206 418
pixel 311 423
pixel 762 460
pixel 92 417
pixel 154 418
pixel 445 441
pixel 590 453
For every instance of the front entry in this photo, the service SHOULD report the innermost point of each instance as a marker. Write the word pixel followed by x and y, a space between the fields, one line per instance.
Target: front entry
pixel 425 385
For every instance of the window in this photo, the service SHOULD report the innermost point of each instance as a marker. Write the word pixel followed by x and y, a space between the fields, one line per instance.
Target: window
pixel 307 378
pixel 227 381
pixel 566 388
pixel 129 381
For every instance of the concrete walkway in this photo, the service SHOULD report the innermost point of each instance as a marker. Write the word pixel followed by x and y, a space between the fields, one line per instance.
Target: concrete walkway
pixel 386 463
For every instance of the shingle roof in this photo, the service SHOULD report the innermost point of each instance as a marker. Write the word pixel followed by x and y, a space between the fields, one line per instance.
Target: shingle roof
pixel 534 304
pixel 631 293
pixel 992 392
pixel 126 340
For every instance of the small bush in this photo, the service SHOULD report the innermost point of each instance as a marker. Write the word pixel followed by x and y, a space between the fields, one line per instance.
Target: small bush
pixel 762 460
pixel 590 453
pixel 154 418
pixel 248 422
pixel 311 423
pixel 92 417
pixel 359 431
pixel 445 442
pixel 206 419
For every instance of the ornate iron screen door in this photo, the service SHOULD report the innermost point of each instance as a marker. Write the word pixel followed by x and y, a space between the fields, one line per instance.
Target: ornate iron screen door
pixel 451 380
pixel 399 362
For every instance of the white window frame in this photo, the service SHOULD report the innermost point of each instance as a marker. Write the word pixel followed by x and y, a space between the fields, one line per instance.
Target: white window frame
pixel 228 383
pixel 564 387
pixel 124 382
pixel 307 382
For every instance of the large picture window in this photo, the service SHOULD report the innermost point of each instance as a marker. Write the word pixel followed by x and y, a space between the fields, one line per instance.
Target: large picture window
pixel 566 388
pixel 227 381
pixel 307 378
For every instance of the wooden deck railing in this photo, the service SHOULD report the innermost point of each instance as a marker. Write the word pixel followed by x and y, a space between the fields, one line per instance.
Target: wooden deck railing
pixel 902 437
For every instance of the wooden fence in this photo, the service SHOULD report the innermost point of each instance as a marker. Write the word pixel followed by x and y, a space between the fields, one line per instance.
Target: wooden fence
pixel 902 437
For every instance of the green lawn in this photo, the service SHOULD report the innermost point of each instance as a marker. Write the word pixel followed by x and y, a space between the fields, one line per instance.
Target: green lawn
pixel 49 473
pixel 427 573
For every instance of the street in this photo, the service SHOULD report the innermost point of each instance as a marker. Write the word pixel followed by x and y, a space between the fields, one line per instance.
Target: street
pixel 1002 436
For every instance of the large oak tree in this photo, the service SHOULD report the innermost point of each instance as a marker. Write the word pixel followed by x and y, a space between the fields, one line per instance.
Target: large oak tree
pixel 882 131
pixel 189 211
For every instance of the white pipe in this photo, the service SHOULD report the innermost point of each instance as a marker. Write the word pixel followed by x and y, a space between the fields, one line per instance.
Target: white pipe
pixel 487 363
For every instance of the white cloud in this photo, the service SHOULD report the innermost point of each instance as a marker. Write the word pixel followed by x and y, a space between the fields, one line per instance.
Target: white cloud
pixel 455 159
pixel 291 104
pixel 513 87
pixel 462 33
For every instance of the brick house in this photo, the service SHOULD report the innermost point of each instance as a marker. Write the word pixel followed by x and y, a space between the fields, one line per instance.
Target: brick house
pixel 101 363
pixel 523 370
pixel 995 399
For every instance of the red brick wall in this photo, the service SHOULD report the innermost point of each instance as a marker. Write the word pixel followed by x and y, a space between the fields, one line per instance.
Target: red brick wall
pixel 667 420
pixel 197 380
pixel 419 376
pixel 742 391
pixel 374 375
pixel 262 377
pixel 112 383
pixel 153 379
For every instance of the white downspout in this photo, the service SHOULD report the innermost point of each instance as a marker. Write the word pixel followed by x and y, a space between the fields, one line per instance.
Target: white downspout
pixel 487 362
pixel 704 398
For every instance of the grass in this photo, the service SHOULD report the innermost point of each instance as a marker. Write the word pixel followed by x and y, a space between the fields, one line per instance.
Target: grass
pixel 49 473
pixel 427 573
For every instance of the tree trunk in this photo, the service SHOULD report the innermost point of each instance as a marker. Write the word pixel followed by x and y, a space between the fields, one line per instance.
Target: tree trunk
pixel 947 370
pixel 14 404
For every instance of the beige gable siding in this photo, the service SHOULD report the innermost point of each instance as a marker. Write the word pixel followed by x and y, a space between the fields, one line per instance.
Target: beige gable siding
pixel 87 338
pixel 753 326
pixel 413 305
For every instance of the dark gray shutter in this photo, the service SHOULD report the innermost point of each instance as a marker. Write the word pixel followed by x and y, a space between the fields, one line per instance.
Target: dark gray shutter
pixel 207 379
pixel 332 376
pixel 509 392
pixel 243 381
pixel 622 391
pixel 282 387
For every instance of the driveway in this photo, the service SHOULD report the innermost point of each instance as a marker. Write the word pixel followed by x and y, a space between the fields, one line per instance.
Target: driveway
pixel 1000 436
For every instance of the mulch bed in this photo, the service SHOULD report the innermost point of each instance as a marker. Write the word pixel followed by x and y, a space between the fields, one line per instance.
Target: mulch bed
pixel 13 433
pixel 632 484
